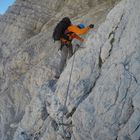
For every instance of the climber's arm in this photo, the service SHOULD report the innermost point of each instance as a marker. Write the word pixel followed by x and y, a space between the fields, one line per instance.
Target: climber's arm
pixel 77 30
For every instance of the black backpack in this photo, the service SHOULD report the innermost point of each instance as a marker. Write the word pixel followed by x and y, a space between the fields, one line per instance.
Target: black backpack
pixel 60 28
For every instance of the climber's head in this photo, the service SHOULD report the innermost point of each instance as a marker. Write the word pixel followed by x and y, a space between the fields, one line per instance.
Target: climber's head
pixel 81 25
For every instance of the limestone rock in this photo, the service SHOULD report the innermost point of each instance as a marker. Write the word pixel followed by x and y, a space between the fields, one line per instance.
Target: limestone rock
pixel 111 110
pixel 103 97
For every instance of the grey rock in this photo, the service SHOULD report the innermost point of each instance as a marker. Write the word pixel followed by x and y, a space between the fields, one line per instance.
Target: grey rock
pixel 113 103
pixel 103 97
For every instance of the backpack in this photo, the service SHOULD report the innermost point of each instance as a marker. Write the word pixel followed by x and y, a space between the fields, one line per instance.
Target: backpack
pixel 60 28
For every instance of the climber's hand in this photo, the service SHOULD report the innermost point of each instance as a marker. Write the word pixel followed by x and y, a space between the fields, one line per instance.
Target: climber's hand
pixel 91 26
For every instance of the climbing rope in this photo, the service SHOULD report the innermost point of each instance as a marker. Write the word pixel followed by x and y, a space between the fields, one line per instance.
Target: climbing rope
pixel 67 93
pixel 69 82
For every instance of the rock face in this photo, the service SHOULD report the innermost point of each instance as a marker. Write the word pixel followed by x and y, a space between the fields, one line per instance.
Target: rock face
pixel 111 111
pixel 102 102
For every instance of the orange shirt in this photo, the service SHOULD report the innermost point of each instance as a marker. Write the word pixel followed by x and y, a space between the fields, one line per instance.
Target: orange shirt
pixel 77 30
pixel 75 33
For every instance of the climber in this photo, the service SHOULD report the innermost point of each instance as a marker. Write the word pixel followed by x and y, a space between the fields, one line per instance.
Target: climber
pixel 65 32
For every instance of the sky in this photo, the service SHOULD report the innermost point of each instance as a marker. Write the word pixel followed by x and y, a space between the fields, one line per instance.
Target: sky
pixel 4 5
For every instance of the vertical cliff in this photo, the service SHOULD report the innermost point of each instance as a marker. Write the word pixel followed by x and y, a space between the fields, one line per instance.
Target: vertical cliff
pixel 103 99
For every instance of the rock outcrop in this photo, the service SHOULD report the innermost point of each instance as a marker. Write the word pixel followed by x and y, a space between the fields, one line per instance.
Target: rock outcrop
pixel 102 102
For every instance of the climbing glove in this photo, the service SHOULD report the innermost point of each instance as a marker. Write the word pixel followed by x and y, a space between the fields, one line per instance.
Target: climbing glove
pixel 91 26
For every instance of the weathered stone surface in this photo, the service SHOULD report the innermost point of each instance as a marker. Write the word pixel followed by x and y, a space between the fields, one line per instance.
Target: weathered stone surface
pixel 111 110
pixel 103 98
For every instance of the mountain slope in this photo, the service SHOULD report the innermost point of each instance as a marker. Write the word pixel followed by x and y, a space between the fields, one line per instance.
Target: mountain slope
pixel 103 99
